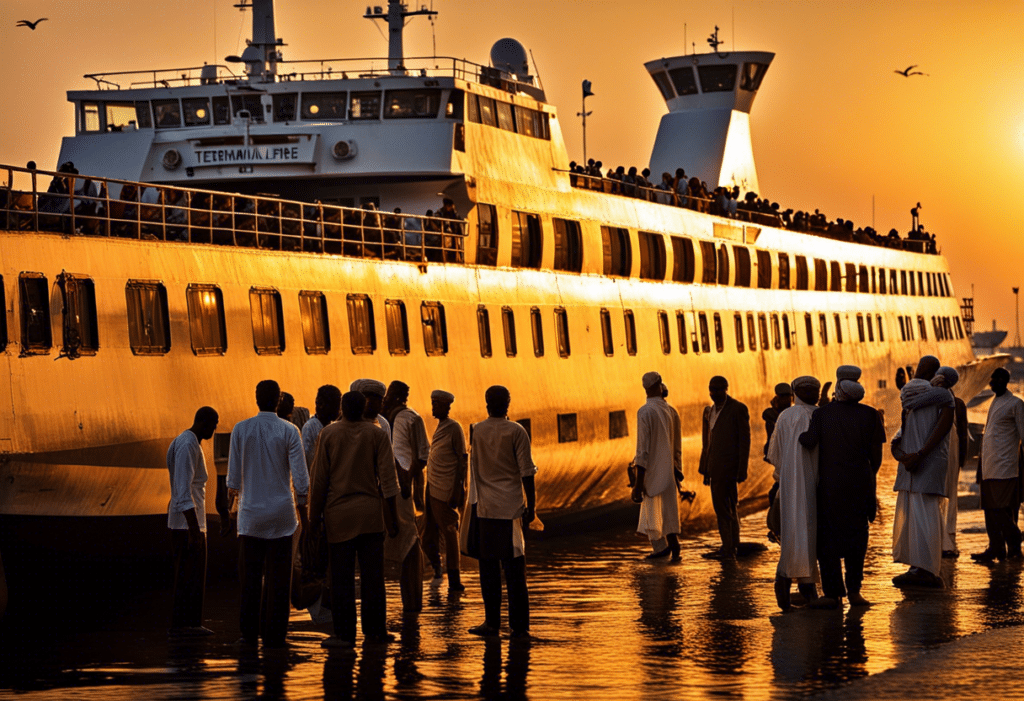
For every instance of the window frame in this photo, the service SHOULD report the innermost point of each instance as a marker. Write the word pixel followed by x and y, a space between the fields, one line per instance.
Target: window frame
pixel 362 341
pixel 508 325
pixel 397 326
pixel 629 320
pixel 27 313
pixel 436 344
pixel 78 291
pixel 160 319
pixel 267 330
pixel 537 332
pixel 607 339
pixel 316 326
pixel 191 291
pixel 562 332
pixel 483 326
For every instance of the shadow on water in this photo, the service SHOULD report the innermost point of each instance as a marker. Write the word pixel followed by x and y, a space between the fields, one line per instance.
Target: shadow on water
pixel 607 623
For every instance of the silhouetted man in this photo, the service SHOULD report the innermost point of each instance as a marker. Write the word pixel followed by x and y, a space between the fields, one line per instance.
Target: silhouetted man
pixel 922 448
pixel 447 467
pixel 849 437
pixel 782 400
pixel 354 490
pixel 186 517
pixel 409 441
pixel 328 408
pixel 655 488
pixel 725 453
pixel 948 377
pixel 998 471
pixel 796 473
pixel 503 498
pixel 265 467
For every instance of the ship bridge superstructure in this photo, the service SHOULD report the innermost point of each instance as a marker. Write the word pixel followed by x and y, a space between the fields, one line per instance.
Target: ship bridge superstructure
pixel 707 128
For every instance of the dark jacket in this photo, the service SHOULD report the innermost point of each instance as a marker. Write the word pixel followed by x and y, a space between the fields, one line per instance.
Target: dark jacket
pixel 725 451
pixel 849 438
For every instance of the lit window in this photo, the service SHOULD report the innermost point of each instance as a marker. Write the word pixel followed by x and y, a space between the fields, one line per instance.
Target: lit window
pixel 363 335
pixel 435 331
pixel 267 321
pixel 397 327
pixel 206 319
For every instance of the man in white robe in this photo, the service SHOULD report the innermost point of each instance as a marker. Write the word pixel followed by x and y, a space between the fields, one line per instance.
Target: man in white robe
pixel 796 472
pixel 922 448
pixel 958 437
pixel 655 488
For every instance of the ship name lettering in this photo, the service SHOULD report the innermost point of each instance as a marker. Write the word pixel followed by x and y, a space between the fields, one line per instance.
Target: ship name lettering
pixel 247 155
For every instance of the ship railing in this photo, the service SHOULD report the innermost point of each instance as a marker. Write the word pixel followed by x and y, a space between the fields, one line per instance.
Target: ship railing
pixel 321 69
pixel 709 206
pixel 659 196
pixel 78 205
pixel 165 77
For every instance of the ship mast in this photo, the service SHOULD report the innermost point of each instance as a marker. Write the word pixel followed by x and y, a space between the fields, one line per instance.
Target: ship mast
pixel 396 14
pixel 260 56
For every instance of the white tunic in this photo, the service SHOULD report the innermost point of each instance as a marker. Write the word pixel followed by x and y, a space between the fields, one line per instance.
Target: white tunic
pixel 187 467
pixel 1004 431
pixel 655 441
pixel 796 471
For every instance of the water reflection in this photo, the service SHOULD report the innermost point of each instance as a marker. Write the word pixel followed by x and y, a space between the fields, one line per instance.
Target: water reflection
pixel 722 646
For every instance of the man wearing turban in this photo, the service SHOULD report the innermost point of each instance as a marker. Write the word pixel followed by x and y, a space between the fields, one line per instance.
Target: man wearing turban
pixel 655 488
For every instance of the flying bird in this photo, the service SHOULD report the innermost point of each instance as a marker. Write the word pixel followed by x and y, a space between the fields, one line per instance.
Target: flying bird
pixel 30 25
pixel 909 71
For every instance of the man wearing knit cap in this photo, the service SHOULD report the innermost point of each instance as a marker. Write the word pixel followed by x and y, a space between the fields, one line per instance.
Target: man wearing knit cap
pixel 796 473
pixel 655 488
pixel 373 390
pixel 725 452
pixel 502 498
pixel 849 437
pixel 446 480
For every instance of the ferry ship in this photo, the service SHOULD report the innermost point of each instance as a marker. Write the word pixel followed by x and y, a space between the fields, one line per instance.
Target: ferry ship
pixel 218 228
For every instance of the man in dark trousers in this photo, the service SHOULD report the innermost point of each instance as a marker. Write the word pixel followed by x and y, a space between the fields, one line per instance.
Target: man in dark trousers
pixel 186 517
pixel 725 452
pixel 999 471
pixel 849 436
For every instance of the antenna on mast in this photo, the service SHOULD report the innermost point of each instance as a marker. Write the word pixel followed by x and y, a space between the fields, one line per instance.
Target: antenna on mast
pixel 395 16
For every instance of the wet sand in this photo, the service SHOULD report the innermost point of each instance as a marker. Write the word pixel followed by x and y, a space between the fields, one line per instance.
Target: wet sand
pixel 607 624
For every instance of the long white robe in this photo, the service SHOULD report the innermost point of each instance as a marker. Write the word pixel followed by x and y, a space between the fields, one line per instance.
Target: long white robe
pixel 949 508
pixel 796 471
pixel 659 510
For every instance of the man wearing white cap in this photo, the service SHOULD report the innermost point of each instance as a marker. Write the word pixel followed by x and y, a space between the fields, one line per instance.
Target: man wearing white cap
pixel 796 473
pixel 373 390
pixel 446 481
pixel 655 488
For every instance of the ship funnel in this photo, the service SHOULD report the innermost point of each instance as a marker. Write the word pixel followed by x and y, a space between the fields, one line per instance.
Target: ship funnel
pixel 707 129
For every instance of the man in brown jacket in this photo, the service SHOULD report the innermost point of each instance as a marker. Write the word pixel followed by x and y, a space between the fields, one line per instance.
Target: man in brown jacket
pixel 725 451
pixel 353 473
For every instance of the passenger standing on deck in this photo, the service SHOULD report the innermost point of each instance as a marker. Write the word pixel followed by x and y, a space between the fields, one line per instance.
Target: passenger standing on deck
pixel 409 440
pixel 849 437
pixel 725 452
pixel 328 408
pixel 265 465
pixel 948 377
pixel 446 484
pixel 503 499
pixel 796 473
pixel 186 517
pixel 922 448
pixel 655 488
pixel 354 490
pixel 998 471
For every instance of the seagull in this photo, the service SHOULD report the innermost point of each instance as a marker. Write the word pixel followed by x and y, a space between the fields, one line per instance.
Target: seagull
pixel 909 71
pixel 30 25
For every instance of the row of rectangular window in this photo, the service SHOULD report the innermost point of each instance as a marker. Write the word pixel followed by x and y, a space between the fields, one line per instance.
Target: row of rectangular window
pixel 713 78
pixel 528 243
pixel 335 106
pixel 149 324
pixel 508 117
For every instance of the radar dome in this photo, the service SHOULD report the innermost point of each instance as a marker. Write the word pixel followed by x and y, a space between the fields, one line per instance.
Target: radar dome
pixel 508 55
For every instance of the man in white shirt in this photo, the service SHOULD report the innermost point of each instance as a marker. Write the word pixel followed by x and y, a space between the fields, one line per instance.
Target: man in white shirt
pixel 186 517
pixel 446 489
pixel 999 471
pixel 409 440
pixel 655 488
pixel 265 465
pixel 503 500
pixel 328 408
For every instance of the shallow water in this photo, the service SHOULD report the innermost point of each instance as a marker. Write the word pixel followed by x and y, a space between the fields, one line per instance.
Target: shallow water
pixel 607 624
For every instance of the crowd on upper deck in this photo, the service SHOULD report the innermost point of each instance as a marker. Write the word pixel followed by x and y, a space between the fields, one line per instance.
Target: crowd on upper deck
pixel 693 193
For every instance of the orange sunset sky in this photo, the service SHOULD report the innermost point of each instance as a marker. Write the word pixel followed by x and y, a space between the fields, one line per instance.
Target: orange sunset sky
pixel 833 125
